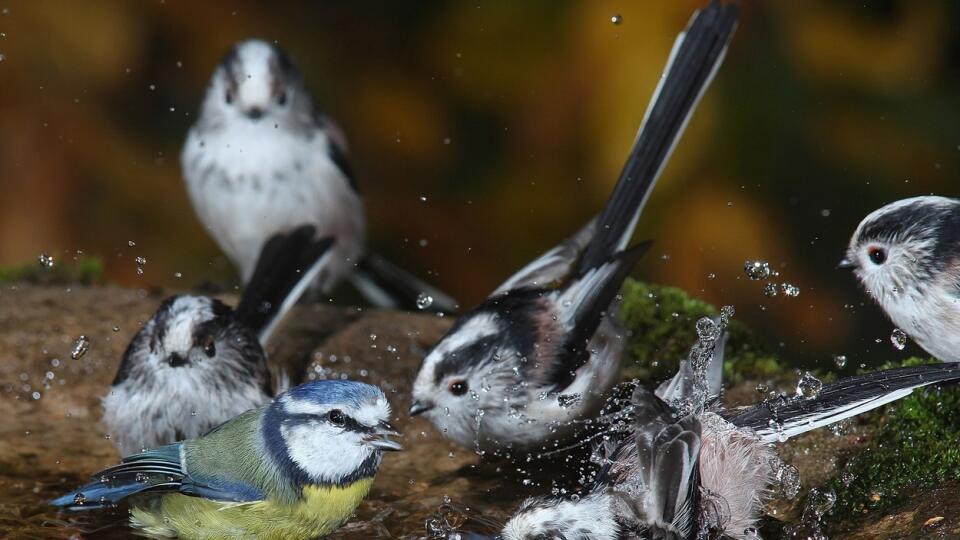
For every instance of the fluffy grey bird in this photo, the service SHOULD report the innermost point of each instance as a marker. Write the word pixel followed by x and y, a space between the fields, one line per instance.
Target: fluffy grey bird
pixel 541 352
pixel 262 159
pixel 702 472
pixel 197 363
pixel 907 257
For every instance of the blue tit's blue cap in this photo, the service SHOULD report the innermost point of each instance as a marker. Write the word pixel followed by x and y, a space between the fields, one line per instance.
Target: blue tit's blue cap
pixel 331 392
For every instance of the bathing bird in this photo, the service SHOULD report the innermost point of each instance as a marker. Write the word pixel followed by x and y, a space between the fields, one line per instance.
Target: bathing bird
pixel 543 349
pixel 293 469
pixel 262 159
pixel 688 468
pixel 197 363
pixel 907 257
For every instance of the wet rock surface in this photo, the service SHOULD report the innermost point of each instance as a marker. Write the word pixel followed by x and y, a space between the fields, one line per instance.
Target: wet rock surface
pixel 51 438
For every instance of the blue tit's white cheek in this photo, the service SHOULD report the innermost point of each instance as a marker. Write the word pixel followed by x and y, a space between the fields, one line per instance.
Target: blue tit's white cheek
pixel 324 452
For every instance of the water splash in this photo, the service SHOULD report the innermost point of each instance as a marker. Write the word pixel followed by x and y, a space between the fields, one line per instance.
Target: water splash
pixel 840 360
pixel 140 262
pixel 790 289
pixel 616 19
pixel 757 270
pixel 46 261
pixel 424 301
pixel 809 386
pixel 80 347
pixel 899 339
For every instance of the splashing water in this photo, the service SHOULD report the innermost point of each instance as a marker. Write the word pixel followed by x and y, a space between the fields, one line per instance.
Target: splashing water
pixel 46 261
pixel 899 339
pixel 424 301
pixel 708 331
pixel 140 262
pixel 616 19
pixel 770 290
pixel 757 270
pixel 840 360
pixel 809 386
pixel 810 526
pixel 80 347
pixel 790 289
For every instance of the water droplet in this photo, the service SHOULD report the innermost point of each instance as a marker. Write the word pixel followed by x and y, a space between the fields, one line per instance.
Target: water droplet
pixel 424 301
pixel 423 198
pixel 756 270
pixel 45 260
pixel 809 386
pixel 177 275
pixel 616 19
pixel 140 262
pixel 707 329
pixel 2 57
pixel 569 400
pixel 36 396
pixel 142 478
pixel 80 347
pixel 116 328
pixel 770 289
pixel 79 499
pixel 790 289
pixel 789 479
pixel 899 339
pixel 131 243
pixel 840 360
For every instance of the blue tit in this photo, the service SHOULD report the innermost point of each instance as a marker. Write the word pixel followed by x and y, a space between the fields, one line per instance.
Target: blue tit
pixel 198 363
pixel 541 352
pixel 296 468
pixel 688 468
pixel 263 159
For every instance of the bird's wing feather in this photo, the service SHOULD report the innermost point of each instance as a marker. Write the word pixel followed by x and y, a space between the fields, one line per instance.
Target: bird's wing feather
pixel 553 267
pixel 848 397
pixel 153 470
pixel 288 263
pixel 582 304
pixel 695 58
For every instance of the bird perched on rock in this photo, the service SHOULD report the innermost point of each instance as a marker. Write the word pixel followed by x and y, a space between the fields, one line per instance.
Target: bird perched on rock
pixel 907 257
pixel 197 363
pixel 690 468
pixel 295 468
pixel 541 351
pixel 262 159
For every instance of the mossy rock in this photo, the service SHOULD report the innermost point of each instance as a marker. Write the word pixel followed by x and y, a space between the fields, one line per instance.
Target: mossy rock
pixel 661 323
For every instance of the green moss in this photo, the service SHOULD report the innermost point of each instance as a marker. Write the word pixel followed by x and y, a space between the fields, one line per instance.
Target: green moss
pixel 915 447
pixel 661 321
pixel 83 269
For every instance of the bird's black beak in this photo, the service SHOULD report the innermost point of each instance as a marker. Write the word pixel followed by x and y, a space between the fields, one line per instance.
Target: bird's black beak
pixel 846 264
pixel 254 113
pixel 380 438
pixel 419 407
pixel 177 360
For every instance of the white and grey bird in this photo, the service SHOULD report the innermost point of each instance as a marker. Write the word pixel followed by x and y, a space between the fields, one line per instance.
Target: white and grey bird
pixel 691 469
pixel 262 159
pixel 197 363
pixel 907 257
pixel 543 349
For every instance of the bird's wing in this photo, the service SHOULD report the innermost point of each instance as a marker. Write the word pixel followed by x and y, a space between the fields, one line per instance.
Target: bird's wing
pixel 777 421
pixel 338 149
pixel 553 267
pixel 697 54
pixel 581 306
pixel 662 482
pixel 153 470
pixel 680 386
pixel 387 285
pixel 289 262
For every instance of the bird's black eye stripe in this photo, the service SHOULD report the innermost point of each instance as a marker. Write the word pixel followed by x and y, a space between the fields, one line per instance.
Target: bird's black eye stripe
pixel 349 423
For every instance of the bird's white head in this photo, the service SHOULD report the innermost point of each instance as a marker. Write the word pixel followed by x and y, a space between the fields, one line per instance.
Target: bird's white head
pixel 256 83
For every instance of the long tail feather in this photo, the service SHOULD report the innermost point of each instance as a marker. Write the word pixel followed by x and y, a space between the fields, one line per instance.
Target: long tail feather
pixel 153 470
pixel 384 284
pixel 778 421
pixel 695 58
pixel 288 264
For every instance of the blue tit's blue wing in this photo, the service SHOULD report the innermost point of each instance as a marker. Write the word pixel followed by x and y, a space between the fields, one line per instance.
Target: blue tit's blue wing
pixel 153 470
pixel 220 489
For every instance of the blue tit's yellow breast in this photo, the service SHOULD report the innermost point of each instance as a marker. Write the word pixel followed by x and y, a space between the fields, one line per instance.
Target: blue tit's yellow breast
pixel 320 511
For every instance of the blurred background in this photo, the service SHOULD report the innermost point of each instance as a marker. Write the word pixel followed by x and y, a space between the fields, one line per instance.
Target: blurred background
pixel 512 119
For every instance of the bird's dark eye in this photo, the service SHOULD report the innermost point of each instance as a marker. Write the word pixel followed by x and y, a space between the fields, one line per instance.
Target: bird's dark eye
pixel 210 347
pixel 336 417
pixel 228 97
pixel 877 255
pixel 282 98
pixel 459 387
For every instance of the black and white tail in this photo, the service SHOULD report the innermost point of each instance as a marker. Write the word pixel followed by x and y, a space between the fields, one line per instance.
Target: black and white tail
pixel 695 58
pixel 777 421
pixel 287 266
pixel 385 284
